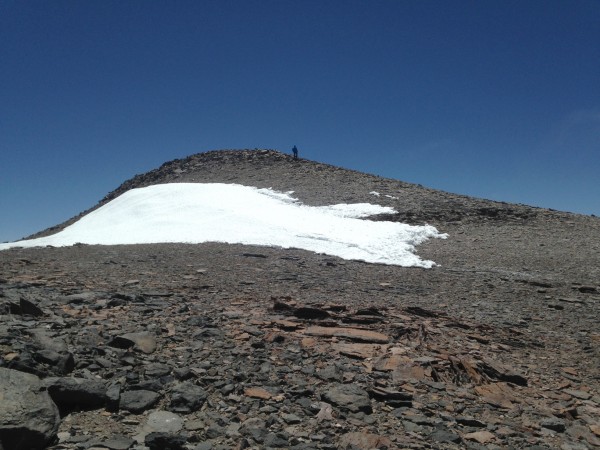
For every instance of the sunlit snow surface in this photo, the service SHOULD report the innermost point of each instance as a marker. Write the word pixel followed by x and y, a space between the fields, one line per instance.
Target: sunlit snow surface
pixel 196 213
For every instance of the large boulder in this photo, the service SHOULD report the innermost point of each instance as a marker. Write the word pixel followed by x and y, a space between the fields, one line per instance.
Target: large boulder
pixel 76 393
pixel 29 418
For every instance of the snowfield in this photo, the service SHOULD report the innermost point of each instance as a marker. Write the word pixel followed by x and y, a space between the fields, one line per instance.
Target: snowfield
pixel 195 213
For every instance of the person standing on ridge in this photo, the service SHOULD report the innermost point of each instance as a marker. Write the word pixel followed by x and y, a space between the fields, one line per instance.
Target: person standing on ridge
pixel 295 152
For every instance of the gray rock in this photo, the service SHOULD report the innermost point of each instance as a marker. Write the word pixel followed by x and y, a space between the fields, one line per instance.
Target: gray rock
pixel 304 446
pixel 187 398
pixel 82 297
pixel 276 440
pixel 349 397
pixel 363 440
pixel 45 340
pixel 161 422
pixel 63 363
pixel 156 370
pixel 470 422
pixel 554 424
pixel 80 393
pixel 138 401
pixel 391 396
pixel 582 395
pixel 445 436
pixel 412 427
pixel 203 446
pixel 164 422
pixel 233 430
pixel 29 418
pixel 330 373
pixel 29 308
pixel 116 443
pixel 419 419
pixel 291 418
pixel 183 373
pixel 255 428
pixel 142 341
pixel 165 441
pixel 214 431
pixel 113 395
pixel 502 372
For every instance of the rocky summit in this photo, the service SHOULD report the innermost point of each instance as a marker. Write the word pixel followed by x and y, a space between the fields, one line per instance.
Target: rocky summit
pixel 220 346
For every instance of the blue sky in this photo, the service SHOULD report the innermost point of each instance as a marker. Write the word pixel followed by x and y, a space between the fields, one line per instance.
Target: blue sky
pixel 495 99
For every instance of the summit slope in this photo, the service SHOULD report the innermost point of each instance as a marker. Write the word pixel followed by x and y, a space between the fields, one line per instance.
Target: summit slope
pixel 499 236
pixel 317 184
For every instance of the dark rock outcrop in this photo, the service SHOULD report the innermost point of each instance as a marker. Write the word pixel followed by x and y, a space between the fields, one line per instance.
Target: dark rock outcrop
pixel 29 419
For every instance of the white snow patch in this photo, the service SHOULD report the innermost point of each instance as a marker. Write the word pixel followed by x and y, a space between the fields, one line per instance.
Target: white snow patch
pixel 196 213
pixel 377 194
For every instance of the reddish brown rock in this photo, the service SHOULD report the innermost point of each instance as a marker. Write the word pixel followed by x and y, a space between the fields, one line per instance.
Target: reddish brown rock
pixel 364 441
pixel 497 394
pixel 353 334
pixel 361 351
pixel 483 437
pixel 256 392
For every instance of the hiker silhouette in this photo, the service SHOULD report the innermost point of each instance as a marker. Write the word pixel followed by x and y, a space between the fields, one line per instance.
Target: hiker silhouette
pixel 295 152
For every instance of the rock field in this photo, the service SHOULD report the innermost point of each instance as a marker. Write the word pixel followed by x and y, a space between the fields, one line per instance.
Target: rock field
pixel 218 346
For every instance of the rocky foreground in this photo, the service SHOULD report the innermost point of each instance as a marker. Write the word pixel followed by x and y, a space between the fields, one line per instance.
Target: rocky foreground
pixel 219 346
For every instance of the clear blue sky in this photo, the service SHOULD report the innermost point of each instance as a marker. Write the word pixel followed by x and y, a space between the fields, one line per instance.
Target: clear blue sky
pixel 495 99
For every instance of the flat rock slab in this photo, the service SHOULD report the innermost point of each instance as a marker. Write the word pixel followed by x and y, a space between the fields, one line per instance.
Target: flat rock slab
pixel 78 393
pixel 445 436
pixel 161 422
pixel 29 419
pixel 554 424
pixel 353 334
pixel 257 392
pixel 360 351
pixel 164 422
pixel 582 395
pixel 156 370
pixel 82 297
pixel 483 437
pixel 499 395
pixel 391 396
pixel 138 401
